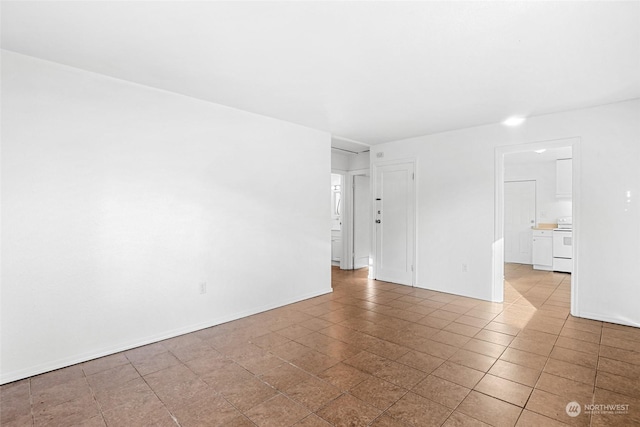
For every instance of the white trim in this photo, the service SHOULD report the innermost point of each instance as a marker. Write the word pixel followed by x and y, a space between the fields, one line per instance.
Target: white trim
pixel 608 319
pixel 7 377
pixel 347 222
pixel 497 291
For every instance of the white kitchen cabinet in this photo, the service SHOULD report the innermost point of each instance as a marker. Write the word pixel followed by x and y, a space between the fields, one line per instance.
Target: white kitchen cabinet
pixel 543 250
pixel 563 177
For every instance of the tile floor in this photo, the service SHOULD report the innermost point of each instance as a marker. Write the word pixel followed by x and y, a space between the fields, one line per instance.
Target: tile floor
pixel 370 353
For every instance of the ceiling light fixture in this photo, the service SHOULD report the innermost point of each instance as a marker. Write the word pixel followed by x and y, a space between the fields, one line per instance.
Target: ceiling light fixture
pixel 540 151
pixel 514 121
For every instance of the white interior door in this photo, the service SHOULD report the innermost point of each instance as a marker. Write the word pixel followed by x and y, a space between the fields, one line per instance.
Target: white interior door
pixel 519 217
pixel 394 215
pixel 361 221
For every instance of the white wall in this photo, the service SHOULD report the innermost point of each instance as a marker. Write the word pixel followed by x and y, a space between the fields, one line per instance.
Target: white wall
pixel 339 161
pixel 359 161
pixel 349 161
pixel 118 200
pixel 455 192
pixel 548 207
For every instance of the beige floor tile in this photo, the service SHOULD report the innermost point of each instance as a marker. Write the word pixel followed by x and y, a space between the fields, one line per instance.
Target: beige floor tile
pixel 60 393
pixel 570 371
pixel 314 362
pixel 113 377
pixel 503 328
pixel 484 347
pixel 489 410
pixel 461 375
pixel 313 393
pixel 623 355
pixel 277 411
pixel 532 346
pixel 401 375
pixel 473 360
pixel 139 412
pixel 349 411
pixel 621 385
pixel 588 360
pixel 343 376
pixel 581 335
pixel 555 407
pixel 494 337
pixel 385 420
pixel 578 345
pixel 441 391
pixel 523 358
pixel 312 420
pixel 618 367
pixel 134 390
pixel 285 376
pixel 416 410
pixel 104 363
pixel 574 390
pixel 506 390
pixel 458 419
pixel 532 419
pixel 246 394
pixel 422 361
pixel 378 392
pixel 155 362
pixel 627 416
pixel 513 372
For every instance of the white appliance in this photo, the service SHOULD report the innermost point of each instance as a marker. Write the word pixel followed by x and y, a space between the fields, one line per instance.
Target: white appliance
pixel 563 245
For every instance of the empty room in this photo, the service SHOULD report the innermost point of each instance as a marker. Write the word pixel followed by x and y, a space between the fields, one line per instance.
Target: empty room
pixel 230 213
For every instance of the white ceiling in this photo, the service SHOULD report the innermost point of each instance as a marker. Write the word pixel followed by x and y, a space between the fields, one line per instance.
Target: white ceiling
pixel 364 71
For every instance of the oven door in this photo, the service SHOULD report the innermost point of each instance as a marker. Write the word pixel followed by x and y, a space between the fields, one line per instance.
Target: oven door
pixel 562 244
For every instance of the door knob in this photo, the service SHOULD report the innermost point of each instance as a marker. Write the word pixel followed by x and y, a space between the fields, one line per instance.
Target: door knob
pixel 377 221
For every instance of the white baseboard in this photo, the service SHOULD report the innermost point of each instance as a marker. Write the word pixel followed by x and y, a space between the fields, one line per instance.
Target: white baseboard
pixel 603 318
pixel 7 377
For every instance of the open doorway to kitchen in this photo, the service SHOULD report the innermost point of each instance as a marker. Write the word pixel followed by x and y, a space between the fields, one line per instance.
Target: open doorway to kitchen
pixel 535 244
pixel 337 208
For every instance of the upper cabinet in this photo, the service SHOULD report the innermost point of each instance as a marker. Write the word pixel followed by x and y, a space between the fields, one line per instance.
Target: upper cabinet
pixel 563 177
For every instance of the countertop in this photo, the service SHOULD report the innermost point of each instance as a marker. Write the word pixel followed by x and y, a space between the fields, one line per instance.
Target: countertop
pixel 542 226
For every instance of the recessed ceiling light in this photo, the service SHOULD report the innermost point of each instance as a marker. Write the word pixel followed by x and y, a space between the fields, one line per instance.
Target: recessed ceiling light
pixel 540 151
pixel 513 121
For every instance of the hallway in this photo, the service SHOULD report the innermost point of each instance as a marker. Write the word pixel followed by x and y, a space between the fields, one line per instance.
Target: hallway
pixel 370 353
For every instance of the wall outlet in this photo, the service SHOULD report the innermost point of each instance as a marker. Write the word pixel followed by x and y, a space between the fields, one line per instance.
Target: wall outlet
pixel 203 287
pixel 380 154
pixel 464 268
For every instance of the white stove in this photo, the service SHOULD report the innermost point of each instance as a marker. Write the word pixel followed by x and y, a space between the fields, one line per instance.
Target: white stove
pixel 563 245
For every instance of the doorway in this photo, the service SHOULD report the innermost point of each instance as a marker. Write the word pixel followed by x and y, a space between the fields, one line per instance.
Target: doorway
pixel 394 222
pixel 336 218
pixel 551 203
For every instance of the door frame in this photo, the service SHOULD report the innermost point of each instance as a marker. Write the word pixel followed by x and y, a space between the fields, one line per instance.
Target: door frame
pixel 375 168
pixel 348 223
pixel 535 198
pixel 497 291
